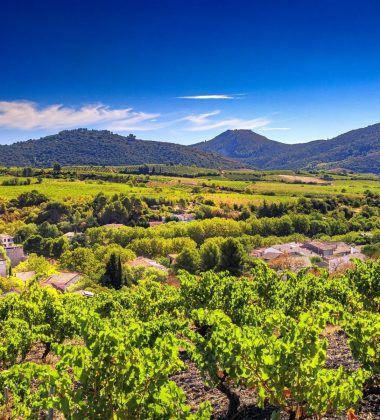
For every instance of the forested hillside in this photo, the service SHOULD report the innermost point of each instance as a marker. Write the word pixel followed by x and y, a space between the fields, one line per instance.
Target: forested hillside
pixel 357 150
pixel 94 147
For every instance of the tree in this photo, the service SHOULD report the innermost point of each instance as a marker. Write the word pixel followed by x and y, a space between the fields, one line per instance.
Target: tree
pixel 210 256
pixel 48 230
pixel 27 172
pixel 36 263
pixel 114 212
pixel 188 259
pixel 31 198
pixel 232 256
pixel 113 277
pixel 284 226
pixel 82 260
pixel 33 244
pixel 58 246
pixel 56 169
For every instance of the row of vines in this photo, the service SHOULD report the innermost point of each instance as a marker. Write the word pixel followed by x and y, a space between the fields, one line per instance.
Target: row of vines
pixel 114 355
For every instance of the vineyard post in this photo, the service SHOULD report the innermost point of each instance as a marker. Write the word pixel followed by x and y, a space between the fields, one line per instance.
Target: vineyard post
pixel 6 395
pixel 51 410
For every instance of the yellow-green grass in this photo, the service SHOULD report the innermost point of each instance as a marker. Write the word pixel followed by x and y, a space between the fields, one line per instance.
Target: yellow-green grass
pixel 244 192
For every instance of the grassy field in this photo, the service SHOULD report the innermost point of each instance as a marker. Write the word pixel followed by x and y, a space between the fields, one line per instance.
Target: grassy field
pixel 217 189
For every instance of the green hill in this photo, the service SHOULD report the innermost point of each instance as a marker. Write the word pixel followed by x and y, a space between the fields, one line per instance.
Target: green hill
pixel 357 150
pixel 94 147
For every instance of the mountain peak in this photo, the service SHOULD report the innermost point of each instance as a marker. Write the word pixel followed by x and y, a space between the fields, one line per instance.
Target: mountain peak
pixel 357 150
pixel 238 143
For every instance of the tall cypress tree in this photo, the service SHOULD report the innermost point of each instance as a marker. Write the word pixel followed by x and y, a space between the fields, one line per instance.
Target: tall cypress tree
pixel 113 276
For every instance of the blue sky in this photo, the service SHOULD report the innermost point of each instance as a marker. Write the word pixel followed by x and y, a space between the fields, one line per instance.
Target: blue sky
pixel 184 71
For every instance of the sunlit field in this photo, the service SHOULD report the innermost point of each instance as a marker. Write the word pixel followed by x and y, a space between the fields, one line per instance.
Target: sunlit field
pixel 218 189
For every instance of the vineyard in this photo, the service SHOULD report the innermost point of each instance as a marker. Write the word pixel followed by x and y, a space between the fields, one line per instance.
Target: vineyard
pixel 122 354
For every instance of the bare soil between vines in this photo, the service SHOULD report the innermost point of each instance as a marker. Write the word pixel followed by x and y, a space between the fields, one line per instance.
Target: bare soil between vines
pixel 338 354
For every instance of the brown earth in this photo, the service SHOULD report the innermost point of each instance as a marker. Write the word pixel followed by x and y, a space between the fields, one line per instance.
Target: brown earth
pixel 338 354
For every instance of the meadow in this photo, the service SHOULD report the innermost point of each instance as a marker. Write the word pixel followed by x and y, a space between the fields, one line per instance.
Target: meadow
pixel 220 188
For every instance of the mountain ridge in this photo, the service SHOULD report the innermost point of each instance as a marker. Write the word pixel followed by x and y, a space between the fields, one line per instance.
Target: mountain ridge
pixel 101 147
pixel 357 150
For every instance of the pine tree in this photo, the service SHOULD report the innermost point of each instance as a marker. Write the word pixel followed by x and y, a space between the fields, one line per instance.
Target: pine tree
pixel 210 256
pixel 188 259
pixel 232 256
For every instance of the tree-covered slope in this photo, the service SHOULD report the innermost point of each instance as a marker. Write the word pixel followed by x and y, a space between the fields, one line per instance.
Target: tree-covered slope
pixel 94 147
pixel 357 150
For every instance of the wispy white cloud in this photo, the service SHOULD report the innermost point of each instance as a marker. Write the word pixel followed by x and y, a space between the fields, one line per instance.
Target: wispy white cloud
pixel 25 115
pixel 204 122
pixel 274 128
pixel 205 97
pixel 200 118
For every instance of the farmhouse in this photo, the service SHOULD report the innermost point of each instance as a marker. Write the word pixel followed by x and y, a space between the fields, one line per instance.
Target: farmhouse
pixel 182 217
pixel 62 280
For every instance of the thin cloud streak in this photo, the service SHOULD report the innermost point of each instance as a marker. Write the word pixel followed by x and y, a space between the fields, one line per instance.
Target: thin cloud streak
pixel 275 128
pixel 204 122
pixel 207 97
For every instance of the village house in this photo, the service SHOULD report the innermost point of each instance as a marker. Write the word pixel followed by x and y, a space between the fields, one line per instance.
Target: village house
pixel 323 249
pixel 153 223
pixel 296 255
pixel 181 217
pixel 147 263
pixel 62 280
pixel 14 252
pixel 3 266
pixel 6 240
pixel 85 293
pixel 25 275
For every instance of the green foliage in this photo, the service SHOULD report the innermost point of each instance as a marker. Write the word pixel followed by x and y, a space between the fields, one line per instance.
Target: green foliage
pixel 113 276
pixel 210 256
pixel 38 264
pixel 232 256
pixel 118 350
pixel 282 359
pixel 356 150
pixel 364 338
pixel 66 147
pixel 188 259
